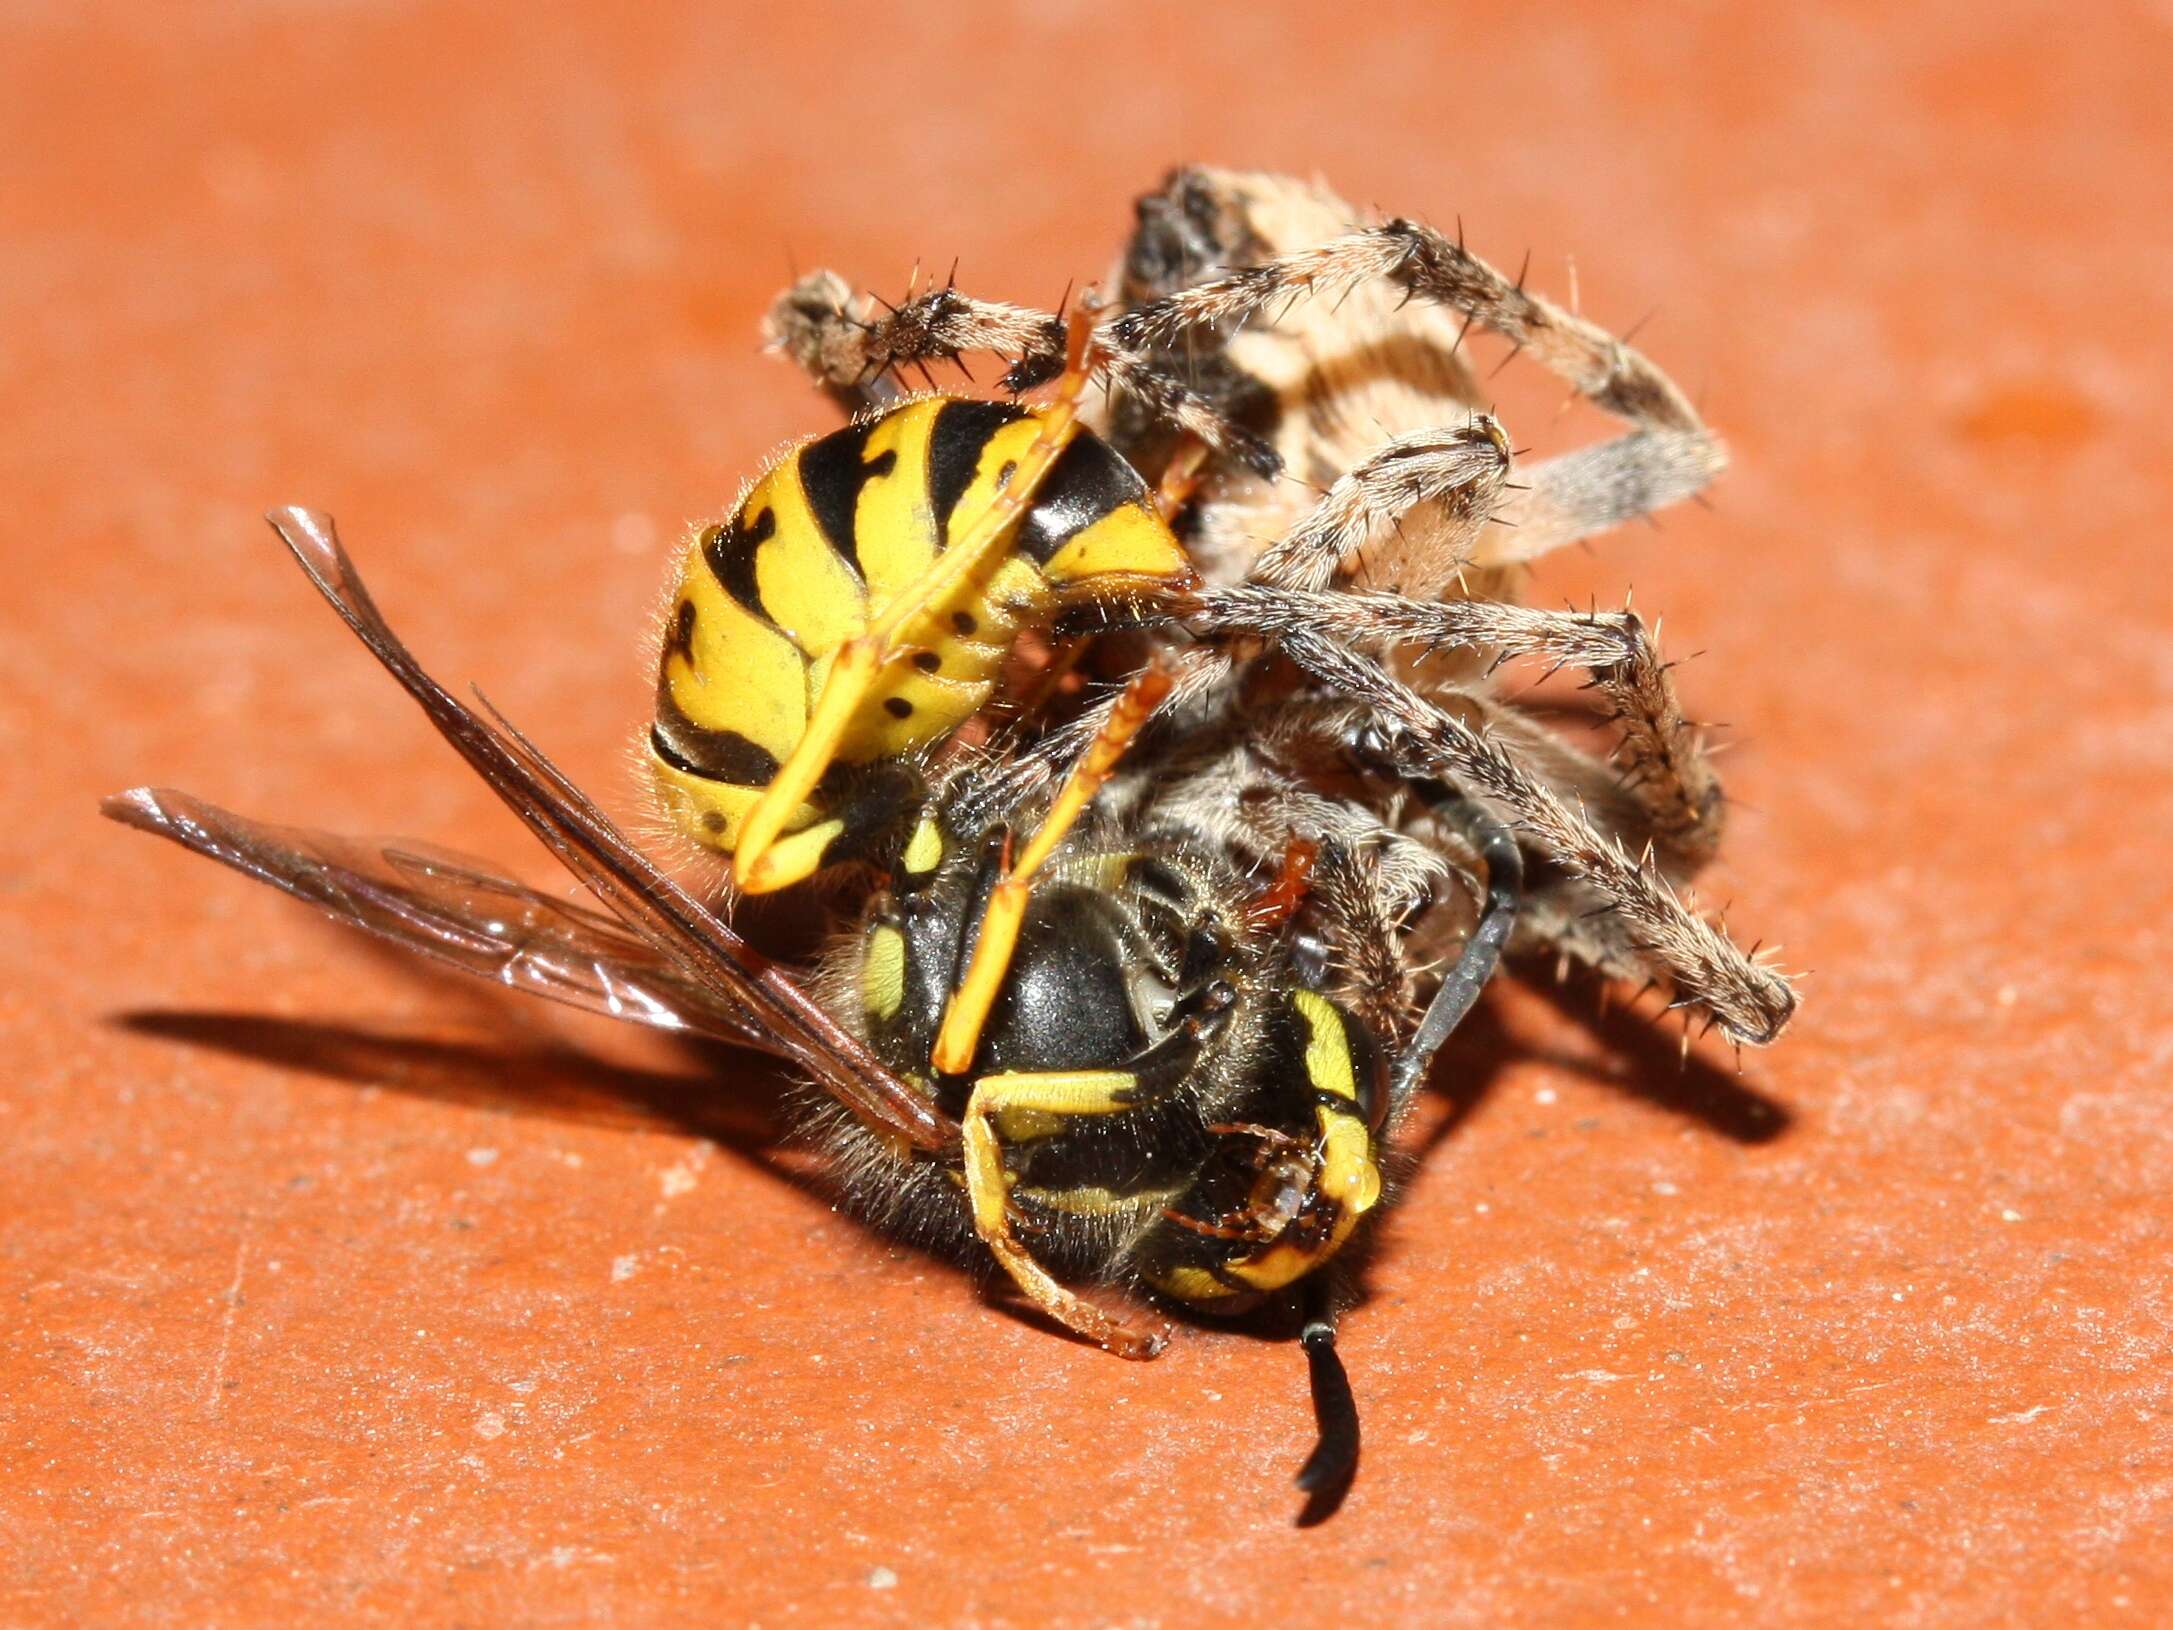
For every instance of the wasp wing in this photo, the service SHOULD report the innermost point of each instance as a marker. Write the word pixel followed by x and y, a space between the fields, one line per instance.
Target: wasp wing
pixel 733 976
pixel 454 909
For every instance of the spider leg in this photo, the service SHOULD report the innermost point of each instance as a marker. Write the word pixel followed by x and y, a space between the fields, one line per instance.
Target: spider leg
pixel 849 347
pixel 1463 471
pixel 1661 766
pixel 1668 455
pixel 1746 998
pixel 1578 494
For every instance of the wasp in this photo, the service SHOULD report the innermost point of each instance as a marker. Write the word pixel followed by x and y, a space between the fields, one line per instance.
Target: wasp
pixel 1127 997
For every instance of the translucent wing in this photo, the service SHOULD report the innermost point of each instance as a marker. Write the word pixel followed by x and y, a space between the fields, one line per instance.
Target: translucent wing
pixel 733 977
pixel 454 909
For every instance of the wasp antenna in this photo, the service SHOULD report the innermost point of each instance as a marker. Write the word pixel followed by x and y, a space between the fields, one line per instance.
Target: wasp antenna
pixel 1326 1475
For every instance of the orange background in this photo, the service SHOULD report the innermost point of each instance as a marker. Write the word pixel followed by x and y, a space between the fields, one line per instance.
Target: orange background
pixel 333 1291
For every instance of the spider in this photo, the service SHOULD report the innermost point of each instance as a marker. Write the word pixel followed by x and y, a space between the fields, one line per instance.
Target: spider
pixel 1340 346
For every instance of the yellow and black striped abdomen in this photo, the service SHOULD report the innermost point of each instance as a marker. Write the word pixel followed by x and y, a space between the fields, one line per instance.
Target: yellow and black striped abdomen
pixel 825 540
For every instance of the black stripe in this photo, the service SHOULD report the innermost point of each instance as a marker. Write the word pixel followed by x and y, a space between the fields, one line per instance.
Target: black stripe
pixel 833 469
pixel 1088 481
pixel 730 551
pixel 962 430
pixel 714 755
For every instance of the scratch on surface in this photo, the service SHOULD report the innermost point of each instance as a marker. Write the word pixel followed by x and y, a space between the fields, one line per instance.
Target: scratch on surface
pixel 226 1323
pixel 2021 1417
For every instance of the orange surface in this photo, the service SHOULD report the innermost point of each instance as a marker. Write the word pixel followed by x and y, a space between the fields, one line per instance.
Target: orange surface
pixel 332 1291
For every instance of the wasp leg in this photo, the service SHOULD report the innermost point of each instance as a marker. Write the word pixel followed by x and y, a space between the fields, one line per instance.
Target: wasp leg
pixel 1005 912
pixel 1180 478
pixel 760 863
pixel 1060 1095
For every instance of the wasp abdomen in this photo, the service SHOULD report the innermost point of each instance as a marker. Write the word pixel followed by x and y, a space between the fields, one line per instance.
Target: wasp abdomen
pixel 826 539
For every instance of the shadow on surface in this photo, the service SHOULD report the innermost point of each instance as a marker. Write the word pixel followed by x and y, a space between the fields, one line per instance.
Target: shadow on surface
pixel 1641 1054
pixel 737 1102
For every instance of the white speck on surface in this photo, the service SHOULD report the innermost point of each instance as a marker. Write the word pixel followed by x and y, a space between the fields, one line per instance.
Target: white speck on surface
pixel 2020 1418
pixel 1545 1095
pixel 633 533
pixel 1597 1377
pixel 2006 996
pixel 232 1298
pixel 2009 1214
pixel 1665 1189
pixel 1623 1321
pixel 622 1268
pixel 882 1579
pixel 490 1425
pixel 682 1174
pixel 482 1157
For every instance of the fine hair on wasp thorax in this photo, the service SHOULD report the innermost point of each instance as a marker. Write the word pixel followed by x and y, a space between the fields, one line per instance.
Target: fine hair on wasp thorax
pixel 1143 949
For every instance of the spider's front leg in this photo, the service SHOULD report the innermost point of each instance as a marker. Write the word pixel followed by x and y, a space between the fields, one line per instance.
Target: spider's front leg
pixel 858 349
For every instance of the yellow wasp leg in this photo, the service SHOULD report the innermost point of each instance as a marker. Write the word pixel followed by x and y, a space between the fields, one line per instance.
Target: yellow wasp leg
pixel 756 867
pixel 969 1006
pixel 1180 478
pixel 1057 1095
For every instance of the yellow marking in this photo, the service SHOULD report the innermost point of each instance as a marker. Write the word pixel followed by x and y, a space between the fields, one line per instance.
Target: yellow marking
pixel 1005 912
pixel 1348 1174
pixel 1095 1201
pixel 743 674
pixel 1327 1046
pixel 689 801
pixel 894 529
pixel 1280 1265
pixel 925 851
pixel 806 589
pixel 1129 541
pixel 1195 1285
pixel 882 973
pixel 791 859
pixel 988 1185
